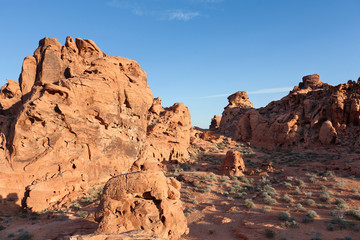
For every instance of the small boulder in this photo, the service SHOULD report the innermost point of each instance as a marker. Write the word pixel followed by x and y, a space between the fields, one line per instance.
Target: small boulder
pixel 142 201
pixel 233 164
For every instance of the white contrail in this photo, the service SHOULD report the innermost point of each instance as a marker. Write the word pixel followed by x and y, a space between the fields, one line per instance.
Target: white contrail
pixel 260 91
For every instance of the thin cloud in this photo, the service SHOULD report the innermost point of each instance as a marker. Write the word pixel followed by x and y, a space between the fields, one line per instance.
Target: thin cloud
pixel 183 16
pixel 207 1
pixel 260 91
pixel 154 9
pixel 271 90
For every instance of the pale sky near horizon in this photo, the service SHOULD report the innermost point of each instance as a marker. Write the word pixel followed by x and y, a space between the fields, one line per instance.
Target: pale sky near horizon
pixel 199 51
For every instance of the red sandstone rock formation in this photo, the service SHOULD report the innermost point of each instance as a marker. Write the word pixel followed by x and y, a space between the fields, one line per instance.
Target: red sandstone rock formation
pixel 233 164
pixel 215 123
pixel 142 201
pixel 168 132
pixel 313 114
pixel 76 117
pixel 238 104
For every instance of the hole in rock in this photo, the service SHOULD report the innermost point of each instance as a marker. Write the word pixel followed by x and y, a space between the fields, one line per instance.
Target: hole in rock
pixel 57 109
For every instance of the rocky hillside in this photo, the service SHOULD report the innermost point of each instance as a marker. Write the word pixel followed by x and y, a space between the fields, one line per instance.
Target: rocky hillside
pixel 313 114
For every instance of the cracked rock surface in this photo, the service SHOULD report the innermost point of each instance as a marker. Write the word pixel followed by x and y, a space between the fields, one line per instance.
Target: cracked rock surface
pixel 76 117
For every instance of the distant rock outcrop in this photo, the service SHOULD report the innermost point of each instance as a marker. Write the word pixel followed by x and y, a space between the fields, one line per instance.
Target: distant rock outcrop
pixel 215 123
pixel 78 117
pixel 313 114
pixel 238 104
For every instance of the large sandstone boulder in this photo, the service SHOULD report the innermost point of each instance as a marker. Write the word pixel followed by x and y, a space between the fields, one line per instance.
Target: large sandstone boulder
pixel 142 201
pixel 80 118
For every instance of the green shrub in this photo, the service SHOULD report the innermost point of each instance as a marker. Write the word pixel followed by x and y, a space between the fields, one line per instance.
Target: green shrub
pixel 330 227
pixel 291 223
pixel 300 183
pixel 297 191
pixel 24 235
pixel 241 195
pixel 341 203
pixel 340 223
pixel 11 235
pixel 268 199
pixel 75 206
pixel 284 216
pixel 311 214
pixel 83 214
pixel 325 196
pixel 354 213
pixel 269 233
pixel 307 219
pixel 316 237
pixel 300 207
pixel 249 203
pixel 310 202
pixel 287 198
pixel 266 209
pixel 357 196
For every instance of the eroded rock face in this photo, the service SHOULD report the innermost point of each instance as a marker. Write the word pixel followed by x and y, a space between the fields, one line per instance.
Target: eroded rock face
pixel 80 118
pixel 313 114
pixel 233 164
pixel 142 201
pixel 238 104
pixel 168 132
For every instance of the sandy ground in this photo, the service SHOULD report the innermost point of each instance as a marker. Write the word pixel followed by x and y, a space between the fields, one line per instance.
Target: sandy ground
pixel 261 205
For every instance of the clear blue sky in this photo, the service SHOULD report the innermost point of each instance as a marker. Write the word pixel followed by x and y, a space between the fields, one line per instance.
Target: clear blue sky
pixel 192 49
